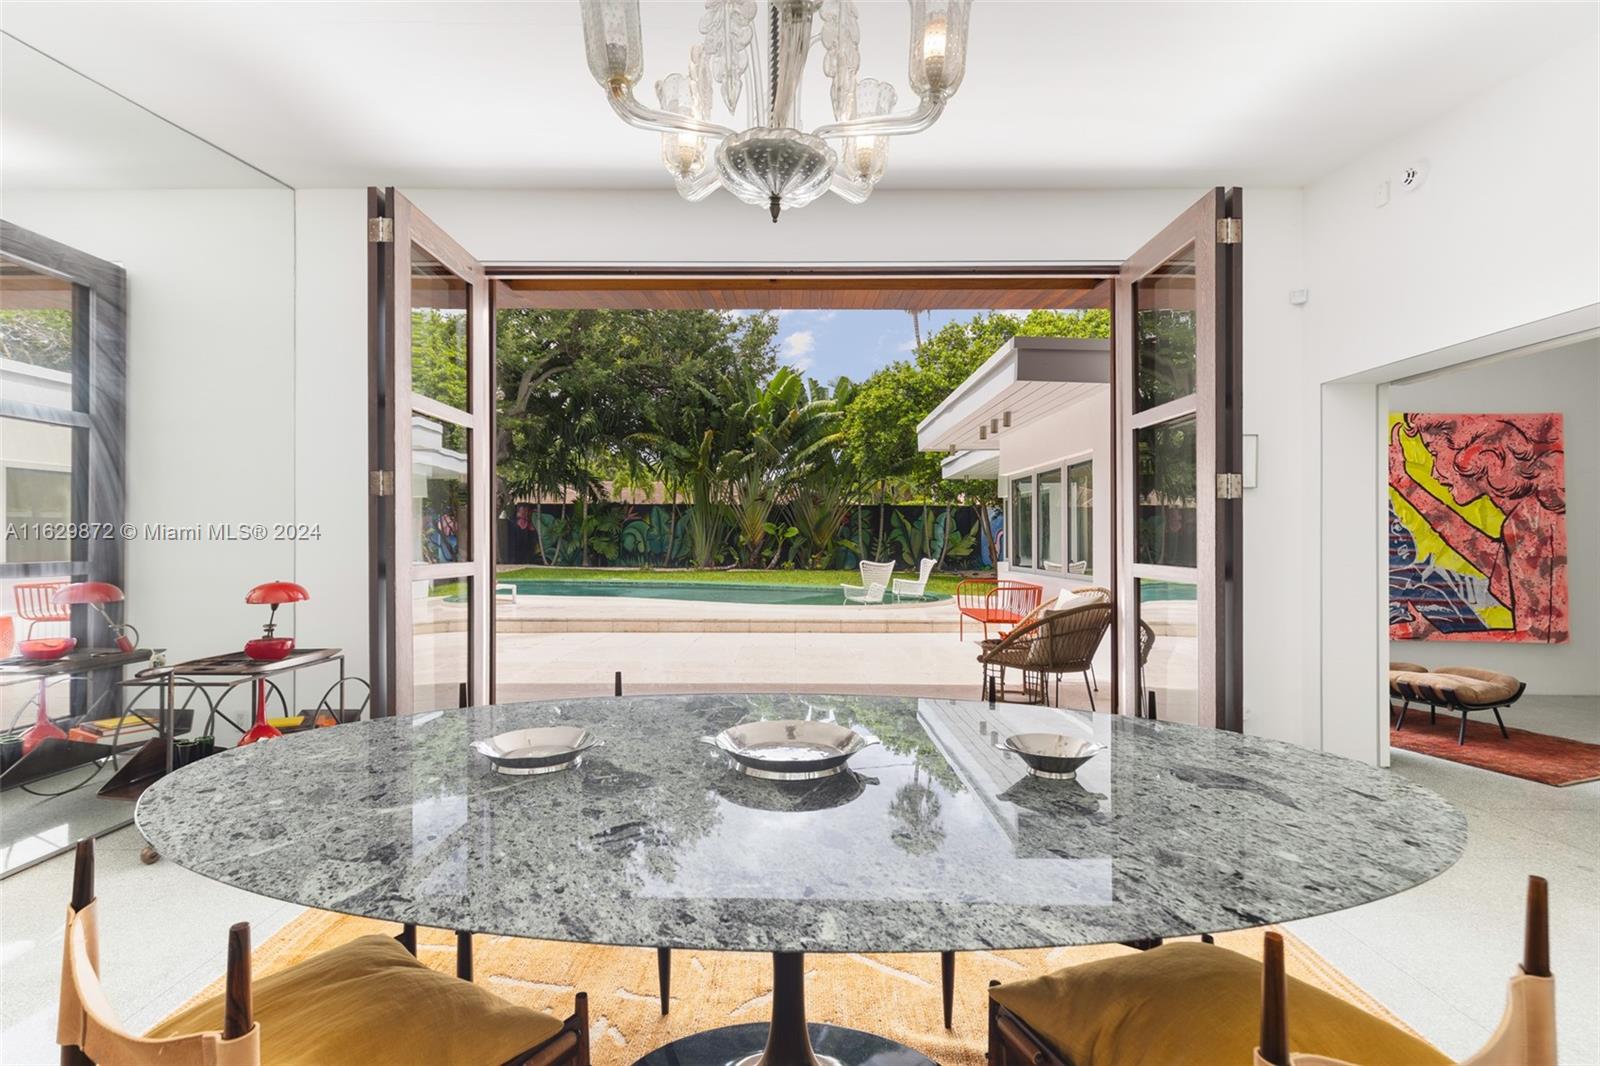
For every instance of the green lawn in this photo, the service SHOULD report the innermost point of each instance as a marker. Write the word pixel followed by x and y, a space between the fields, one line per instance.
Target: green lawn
pixel 945 583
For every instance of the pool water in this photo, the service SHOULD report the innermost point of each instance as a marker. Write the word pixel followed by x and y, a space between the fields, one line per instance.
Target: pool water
pixel 1159 591
pixel 706 591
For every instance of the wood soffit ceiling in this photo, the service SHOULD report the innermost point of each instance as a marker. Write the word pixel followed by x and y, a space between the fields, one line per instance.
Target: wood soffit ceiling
pixel 844 292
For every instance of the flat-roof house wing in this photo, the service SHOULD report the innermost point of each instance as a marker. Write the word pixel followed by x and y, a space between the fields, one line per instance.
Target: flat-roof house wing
pixel 1026 379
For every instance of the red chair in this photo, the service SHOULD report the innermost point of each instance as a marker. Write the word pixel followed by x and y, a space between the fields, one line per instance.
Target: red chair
pixel 989 601
pixel 36 603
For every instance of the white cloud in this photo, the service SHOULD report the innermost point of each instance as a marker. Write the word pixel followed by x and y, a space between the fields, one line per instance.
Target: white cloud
pixel 908 346
pixel 796 349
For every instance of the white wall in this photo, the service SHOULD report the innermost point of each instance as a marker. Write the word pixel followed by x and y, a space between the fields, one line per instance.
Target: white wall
pixel 657 227
pixel 1503 232
pixel 1565 380
pixel 210 391
pixel 330 446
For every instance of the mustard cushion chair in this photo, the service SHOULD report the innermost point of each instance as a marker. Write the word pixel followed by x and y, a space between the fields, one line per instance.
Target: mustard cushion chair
pixel 367 1001
pixel 1200 1004
pixel 1186 1003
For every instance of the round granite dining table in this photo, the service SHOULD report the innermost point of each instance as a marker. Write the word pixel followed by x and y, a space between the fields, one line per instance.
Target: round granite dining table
pixel 934 839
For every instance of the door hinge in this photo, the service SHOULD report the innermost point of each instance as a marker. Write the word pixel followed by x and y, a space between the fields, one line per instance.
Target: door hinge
pixel 1230 230
pixel 381 482
pixel 1230 486
pixel 380 230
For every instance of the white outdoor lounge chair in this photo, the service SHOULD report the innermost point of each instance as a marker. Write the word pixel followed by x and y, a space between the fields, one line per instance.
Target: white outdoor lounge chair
pixel 904 586
pixel 879 574
pixel 872 593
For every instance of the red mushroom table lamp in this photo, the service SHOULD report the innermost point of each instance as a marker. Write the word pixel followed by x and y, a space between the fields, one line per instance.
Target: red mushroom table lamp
pixel 269 648
pixel 97 594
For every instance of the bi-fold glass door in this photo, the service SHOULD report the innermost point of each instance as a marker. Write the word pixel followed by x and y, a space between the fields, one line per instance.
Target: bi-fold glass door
pixel 1176 323
pixel 431 365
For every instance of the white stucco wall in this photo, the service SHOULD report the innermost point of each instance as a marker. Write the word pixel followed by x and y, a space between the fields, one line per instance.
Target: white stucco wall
pixel 1505 232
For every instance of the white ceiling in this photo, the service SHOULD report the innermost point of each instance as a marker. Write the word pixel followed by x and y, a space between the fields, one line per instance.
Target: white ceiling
pixel 1057 94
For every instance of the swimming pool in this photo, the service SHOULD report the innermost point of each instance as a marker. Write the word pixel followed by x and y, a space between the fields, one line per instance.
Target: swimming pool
pixel 704 591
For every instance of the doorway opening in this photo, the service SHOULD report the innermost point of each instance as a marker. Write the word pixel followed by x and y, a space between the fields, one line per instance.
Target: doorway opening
pixel 1490 477
pixel 554 448
pixel 691 471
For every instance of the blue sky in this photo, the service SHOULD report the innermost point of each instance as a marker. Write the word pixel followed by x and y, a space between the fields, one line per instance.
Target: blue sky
pixel 825 344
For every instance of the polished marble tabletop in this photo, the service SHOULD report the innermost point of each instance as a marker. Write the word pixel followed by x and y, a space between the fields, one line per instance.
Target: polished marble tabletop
pixel 935 840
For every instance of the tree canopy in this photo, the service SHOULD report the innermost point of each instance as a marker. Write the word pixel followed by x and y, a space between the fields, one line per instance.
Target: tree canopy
pixel 768 463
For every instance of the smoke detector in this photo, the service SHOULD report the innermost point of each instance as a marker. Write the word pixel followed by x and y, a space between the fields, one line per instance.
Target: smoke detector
pixel 1413 175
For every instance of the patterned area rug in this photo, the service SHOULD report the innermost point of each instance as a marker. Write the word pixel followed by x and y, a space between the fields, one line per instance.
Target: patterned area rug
pixel 1537 757
pixel 894 995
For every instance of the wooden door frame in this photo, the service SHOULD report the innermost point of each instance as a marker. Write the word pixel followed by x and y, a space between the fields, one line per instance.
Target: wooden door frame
pixel 1219 448
pixel 394 226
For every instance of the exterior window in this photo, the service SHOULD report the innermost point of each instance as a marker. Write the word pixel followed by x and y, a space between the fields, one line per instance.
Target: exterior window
pixel 1021 531
pixel 1051 517
pixel 1080 517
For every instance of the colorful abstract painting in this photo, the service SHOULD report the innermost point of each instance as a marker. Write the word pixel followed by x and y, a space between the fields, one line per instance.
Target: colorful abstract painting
pixel 1477 528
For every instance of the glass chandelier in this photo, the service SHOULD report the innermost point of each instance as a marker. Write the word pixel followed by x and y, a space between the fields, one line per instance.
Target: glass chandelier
pixel 773 163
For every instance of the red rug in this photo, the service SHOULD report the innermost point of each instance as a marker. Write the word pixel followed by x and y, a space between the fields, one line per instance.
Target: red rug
pixel 1533 756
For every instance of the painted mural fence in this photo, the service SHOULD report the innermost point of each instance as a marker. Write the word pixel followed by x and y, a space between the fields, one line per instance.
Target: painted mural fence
pixel 612 534
pixel 1477 528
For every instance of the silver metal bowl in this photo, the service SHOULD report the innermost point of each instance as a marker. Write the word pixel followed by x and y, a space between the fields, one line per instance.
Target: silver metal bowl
pixel 543 750
pixel 1053 755
pixel 789 750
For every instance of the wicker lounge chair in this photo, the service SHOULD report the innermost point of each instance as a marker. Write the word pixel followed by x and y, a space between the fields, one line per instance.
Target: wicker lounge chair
pixel 1048 642
pixel 872 593
pixel 875 578
pixel 905 586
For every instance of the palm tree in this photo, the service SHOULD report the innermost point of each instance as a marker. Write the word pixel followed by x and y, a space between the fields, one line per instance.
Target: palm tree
pixel 785 431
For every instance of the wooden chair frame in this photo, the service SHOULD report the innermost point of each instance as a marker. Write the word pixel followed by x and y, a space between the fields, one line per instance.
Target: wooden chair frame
pixel 88 1031
pixel 1526 1035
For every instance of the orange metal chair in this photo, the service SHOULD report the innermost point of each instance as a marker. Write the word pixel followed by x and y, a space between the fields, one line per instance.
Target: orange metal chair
pixel 36 603
pixel 989 601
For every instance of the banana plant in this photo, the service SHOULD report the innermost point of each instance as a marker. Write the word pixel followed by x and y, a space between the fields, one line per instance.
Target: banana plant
pixel 778 535
pixel 636 535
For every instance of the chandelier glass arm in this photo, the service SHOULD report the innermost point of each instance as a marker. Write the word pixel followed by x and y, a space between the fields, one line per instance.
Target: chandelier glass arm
pixel 925 115
pixel 631 111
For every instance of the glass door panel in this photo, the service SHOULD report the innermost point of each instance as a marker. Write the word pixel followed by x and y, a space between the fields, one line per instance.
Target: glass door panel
pixel 1164 332
pixel 441 491
pixel 441 650
pixel 1164 461
pixel 1176 381
pixel 1171 669
pixel 439 329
